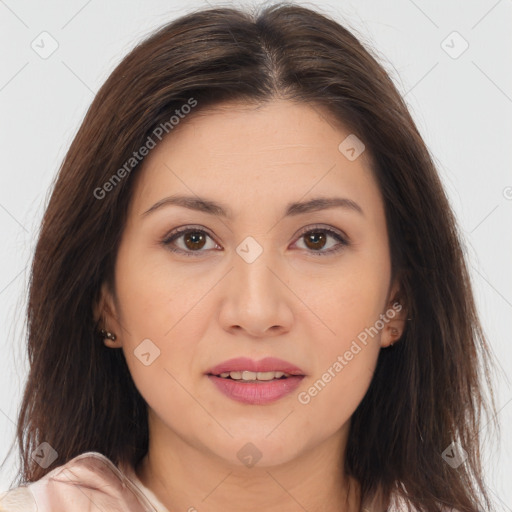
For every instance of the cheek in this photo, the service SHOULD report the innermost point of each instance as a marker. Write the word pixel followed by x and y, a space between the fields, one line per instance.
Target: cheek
pixel 344 370
pixel 347 343
pixel 161 318
pixel 349 298
pixel 156 296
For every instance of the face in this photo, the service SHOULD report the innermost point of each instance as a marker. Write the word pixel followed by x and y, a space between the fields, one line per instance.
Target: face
pixel 309 284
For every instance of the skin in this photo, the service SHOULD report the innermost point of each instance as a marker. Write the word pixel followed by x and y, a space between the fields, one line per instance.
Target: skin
pixel 289 303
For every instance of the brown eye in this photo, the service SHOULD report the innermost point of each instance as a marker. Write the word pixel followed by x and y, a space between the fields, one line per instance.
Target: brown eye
pixel 315 240
pixel 194 240
pixel 322 241
pixel 189 241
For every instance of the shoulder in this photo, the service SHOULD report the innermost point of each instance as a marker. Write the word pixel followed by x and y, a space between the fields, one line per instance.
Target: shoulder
pixel 19 499
pixel 88 481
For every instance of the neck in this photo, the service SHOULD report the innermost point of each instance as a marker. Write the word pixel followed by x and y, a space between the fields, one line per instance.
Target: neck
pixel 184 478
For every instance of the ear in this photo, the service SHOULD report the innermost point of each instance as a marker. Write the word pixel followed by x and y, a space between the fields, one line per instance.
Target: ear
pixel 395 317
pixel 105 315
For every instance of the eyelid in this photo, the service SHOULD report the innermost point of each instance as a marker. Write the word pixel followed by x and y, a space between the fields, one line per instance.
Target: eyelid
pixel 323 227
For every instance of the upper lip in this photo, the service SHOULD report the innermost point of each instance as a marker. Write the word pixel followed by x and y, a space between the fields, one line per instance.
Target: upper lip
pixel 267 364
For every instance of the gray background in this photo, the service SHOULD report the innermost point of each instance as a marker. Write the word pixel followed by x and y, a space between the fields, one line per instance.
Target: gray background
pixel 461 103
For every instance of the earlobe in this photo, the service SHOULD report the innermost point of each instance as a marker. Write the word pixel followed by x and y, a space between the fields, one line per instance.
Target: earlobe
pixel 105 317
pixel 397 322
pixel 397 317
pixel 392 333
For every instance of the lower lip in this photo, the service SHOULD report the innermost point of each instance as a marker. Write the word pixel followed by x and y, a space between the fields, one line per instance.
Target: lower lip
pixel 256 393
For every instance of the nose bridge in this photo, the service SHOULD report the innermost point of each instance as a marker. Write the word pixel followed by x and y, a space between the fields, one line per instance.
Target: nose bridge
pixel 257 300
pixel 251 273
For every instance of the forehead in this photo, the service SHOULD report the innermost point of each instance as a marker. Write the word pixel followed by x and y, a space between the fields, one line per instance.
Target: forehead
pixel 246 153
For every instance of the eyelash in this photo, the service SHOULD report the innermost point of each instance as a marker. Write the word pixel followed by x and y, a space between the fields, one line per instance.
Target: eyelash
pixel 174 235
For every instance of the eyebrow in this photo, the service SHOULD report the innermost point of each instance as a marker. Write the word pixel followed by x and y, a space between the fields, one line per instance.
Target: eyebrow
pixel 214 208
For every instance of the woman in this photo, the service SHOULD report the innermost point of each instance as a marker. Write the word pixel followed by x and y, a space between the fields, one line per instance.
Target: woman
pixel 249 292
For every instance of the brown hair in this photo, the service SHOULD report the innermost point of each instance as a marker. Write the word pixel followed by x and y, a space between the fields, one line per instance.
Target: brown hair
pixel 427 391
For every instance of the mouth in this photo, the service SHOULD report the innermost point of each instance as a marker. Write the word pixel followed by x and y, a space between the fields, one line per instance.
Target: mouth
pixel 248 376
pixel 256 382
pixel 245 369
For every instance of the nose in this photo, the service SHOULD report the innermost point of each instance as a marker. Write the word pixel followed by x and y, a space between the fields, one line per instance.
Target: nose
pixel 256 299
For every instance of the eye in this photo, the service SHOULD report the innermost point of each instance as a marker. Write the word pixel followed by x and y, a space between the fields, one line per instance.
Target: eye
pixel 189 241
pixel 316 239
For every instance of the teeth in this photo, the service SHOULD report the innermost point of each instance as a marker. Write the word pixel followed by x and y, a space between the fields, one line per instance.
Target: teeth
pixel 252 376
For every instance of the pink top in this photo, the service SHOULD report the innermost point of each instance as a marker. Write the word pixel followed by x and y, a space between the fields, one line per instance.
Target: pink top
pixel 89 482
pixel 92 482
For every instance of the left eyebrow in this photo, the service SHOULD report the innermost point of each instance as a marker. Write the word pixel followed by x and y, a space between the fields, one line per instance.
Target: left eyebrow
pixel 214 208
pixel 322 203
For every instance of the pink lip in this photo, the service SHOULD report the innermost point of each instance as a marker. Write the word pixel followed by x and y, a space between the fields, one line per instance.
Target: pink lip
pixel 256 393
pixel 267 364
